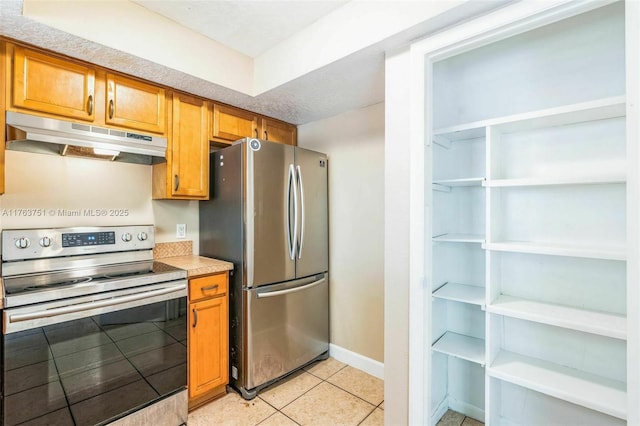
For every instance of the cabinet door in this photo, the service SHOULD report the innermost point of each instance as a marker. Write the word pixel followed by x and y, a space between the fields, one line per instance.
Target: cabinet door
pixel 189 147
pixel 135 105
pixel 231 124
pixel 208 345
pixel 53 86
pixel 277 131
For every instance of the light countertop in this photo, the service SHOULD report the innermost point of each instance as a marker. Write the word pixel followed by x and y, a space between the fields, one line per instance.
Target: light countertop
pixel 197 265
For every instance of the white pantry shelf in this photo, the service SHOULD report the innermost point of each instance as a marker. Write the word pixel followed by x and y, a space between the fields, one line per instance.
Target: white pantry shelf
pixel 599 109
pixel 601 323
pixel 473 181
pixel 568 180
pixel 591 252
pixel 461 346
pixel 464 293
pixel 578 387
pixel 459 238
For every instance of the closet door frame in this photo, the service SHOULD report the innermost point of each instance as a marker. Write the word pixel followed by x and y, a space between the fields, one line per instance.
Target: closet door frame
pixel 501 24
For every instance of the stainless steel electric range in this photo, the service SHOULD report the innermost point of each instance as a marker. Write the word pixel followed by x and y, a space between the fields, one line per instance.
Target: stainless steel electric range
pixel 94 331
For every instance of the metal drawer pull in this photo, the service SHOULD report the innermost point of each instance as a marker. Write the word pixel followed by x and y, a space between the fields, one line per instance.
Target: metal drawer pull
pixel 211 287
pixel 195 317
pixel 92 305
pixel 290 290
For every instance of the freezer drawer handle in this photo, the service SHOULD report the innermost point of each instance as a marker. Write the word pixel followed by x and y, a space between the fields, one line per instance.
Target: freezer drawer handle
pixel 92 305
pixel 290 290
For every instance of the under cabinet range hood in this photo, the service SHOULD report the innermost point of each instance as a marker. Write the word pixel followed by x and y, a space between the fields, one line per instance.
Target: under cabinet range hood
pixel 43 135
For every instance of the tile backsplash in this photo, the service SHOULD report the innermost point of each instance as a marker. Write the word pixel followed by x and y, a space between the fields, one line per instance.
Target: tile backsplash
pixel 177 248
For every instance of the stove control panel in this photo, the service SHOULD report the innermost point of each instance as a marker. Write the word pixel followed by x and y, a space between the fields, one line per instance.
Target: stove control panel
pixel 88 239
pixel 23 244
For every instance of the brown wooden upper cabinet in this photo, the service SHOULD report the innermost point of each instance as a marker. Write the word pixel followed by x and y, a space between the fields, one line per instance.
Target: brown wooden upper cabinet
pixel 51 85
pixel 185 175
pixel 278 131
pixel 231 124
pixel 67 89
pixel 134 104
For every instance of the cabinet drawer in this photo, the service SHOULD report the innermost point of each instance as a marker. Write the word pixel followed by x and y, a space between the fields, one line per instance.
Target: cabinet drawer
pixel 209 286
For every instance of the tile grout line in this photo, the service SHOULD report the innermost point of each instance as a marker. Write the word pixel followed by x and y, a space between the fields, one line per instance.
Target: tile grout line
pixel 313 387
pixel 353 394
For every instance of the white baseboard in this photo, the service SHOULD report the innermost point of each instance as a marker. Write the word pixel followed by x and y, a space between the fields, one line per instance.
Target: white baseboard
pixel 361 362
pixel 442 408
pixel 467 409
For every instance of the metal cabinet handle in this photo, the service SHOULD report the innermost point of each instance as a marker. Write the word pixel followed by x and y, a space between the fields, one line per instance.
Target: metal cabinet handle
pixel 266 135
pixel 256 130
pixel 177 179
pixel 90 107
pixel 195 317
pixel 111 108
pixel 211 287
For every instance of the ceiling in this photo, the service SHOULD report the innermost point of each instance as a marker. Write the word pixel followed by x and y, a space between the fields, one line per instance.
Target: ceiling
pixel 250 27
pixel 343 83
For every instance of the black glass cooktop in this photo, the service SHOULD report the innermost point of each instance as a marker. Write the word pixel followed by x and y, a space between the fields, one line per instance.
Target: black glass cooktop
pixel 83 276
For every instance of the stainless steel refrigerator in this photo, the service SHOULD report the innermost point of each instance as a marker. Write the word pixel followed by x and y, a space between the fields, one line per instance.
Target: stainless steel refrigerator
pixel 268 215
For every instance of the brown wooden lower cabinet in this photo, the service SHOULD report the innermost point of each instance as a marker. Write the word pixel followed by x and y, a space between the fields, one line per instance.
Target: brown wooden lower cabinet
pixel 208 338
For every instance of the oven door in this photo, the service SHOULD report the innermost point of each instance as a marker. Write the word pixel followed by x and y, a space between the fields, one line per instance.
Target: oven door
pixel 94 359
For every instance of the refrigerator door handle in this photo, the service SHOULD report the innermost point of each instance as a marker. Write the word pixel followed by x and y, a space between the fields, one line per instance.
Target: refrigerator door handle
pixel 291 239
pixel 301 241
pixel 289 290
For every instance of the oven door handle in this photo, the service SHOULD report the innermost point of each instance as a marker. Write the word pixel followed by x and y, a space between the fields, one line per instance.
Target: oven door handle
pixel 13 318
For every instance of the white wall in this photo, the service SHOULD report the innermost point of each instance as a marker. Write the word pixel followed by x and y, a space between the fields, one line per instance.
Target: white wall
pixel 52 191
pixel 354 142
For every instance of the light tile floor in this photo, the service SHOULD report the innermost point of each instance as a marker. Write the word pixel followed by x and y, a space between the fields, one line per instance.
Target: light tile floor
pixel 453 418
pixel 325 393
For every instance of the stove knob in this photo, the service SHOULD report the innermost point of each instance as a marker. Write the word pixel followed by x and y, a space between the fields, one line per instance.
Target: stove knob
pixel 23 243
pixel 126 237
pixel 45 241
pixel 142 236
